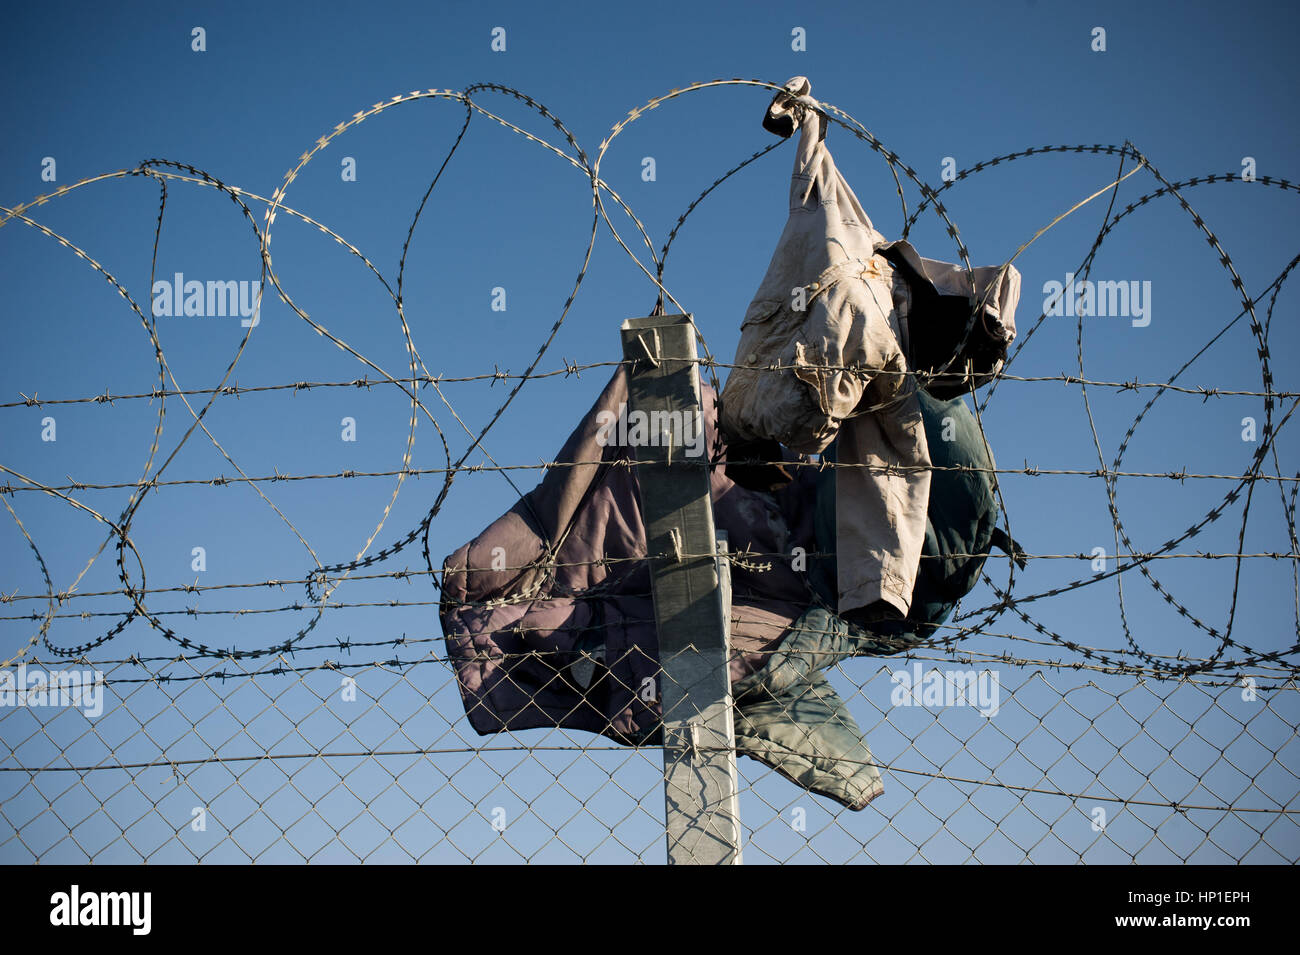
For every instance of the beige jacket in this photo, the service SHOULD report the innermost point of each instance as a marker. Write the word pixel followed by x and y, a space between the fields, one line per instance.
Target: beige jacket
pixel 833 315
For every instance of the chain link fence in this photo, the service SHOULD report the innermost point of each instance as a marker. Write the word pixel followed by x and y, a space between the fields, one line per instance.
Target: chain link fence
pixel 319 749
pixel 229 761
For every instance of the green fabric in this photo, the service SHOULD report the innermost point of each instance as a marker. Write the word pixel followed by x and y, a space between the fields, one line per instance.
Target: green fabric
pixel 962 513
pixel 817 640
pixel 806 733
pixel 789 717
pixel 787 714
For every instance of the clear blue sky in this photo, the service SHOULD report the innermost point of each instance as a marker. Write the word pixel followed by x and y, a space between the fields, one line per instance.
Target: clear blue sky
pixel 1196 87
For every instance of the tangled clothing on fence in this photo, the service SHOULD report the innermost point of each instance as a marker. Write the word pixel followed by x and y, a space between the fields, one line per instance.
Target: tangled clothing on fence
pixel 829 303
pixel 570 585
pixel 548 613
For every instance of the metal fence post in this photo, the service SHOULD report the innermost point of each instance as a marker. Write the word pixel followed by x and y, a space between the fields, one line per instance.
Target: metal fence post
pixel 691 586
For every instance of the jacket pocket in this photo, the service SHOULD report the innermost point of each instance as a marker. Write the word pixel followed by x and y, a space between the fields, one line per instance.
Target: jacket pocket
pixel 761 311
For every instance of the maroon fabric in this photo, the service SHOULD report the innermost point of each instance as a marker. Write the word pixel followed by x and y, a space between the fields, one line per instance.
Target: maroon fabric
pixel 511 633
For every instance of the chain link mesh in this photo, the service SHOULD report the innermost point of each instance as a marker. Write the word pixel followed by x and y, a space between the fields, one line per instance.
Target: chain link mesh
pixel 236 761
pixel 358 751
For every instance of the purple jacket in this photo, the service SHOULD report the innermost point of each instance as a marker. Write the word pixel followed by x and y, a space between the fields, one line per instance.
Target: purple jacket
pixel 573 577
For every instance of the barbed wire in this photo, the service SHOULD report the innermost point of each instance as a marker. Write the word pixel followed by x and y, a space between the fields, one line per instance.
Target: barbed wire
pixel 1218 669
pixel 414 380
pixel 575 369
